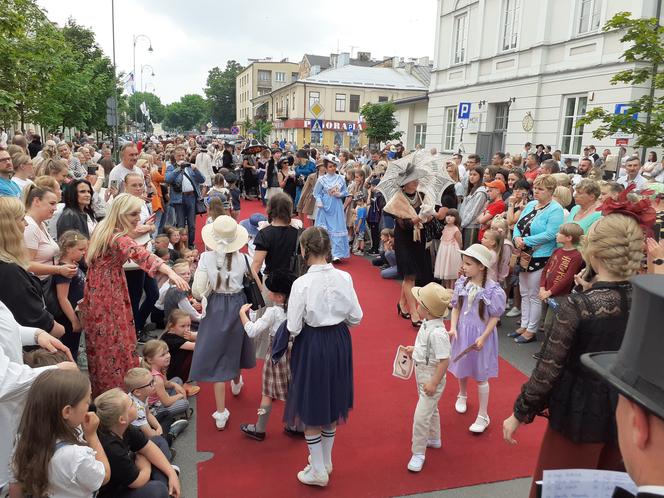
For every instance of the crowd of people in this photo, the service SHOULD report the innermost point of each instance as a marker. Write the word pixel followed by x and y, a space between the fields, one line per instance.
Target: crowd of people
pixel 100 255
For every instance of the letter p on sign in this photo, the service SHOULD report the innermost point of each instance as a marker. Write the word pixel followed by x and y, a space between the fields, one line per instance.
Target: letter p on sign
pixel 464 110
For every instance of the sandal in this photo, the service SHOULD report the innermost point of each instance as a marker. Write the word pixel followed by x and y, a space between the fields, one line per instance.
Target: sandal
pixel 400 312
pixel 191 389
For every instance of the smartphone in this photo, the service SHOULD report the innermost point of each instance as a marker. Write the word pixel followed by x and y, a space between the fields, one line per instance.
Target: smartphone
pixel 92 170
pixel 151 218
pixel 115 184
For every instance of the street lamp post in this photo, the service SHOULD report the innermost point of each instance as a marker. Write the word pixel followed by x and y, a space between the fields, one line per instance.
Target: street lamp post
pixel 150 49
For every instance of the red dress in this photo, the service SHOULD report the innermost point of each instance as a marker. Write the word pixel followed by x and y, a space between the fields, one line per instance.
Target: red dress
pixel 110 335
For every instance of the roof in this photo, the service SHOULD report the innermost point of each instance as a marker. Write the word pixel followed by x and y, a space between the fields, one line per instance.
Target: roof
pixel 411 100
pixel 323 61
pixel 368 77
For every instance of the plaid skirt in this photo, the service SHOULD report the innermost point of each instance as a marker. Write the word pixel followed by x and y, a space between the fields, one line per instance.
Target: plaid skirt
pixel 276 377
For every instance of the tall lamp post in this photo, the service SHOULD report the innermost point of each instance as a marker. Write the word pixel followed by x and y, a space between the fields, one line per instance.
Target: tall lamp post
pixel 150 49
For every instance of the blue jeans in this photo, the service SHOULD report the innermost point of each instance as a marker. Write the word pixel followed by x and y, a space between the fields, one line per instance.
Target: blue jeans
pixel 186 215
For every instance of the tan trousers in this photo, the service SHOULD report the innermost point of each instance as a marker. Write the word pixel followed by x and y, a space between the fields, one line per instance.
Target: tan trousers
pixel 426 421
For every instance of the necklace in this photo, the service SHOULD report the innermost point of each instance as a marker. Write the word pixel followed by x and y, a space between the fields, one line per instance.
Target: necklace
pixel 413 198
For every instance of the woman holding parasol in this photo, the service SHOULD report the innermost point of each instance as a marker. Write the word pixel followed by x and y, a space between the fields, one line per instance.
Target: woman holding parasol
pixel 413 185
pixel 329 192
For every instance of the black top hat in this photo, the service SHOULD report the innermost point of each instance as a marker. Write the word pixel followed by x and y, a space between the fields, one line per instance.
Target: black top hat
pixel 636 370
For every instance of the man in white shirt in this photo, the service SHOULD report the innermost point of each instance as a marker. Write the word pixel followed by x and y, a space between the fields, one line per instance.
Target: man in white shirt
pixel 129 155
pixel 16 379
pixel 632 176
pixel 3 138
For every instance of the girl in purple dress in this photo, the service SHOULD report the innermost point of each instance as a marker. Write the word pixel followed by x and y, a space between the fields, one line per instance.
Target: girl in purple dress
pixel 477 304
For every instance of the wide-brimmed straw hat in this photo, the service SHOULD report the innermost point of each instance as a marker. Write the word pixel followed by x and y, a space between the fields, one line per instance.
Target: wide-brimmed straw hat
pixel 480 253
pixel 434 298
pixel 224 235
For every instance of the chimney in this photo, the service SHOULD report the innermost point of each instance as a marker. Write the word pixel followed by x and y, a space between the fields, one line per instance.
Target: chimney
pixel 343 59
pixel 314 70
pixel 409 67
pixel 423 61
pixel 333 60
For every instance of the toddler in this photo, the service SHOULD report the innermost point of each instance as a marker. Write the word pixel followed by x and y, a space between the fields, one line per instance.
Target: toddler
pixel 448 258
pixel 360 226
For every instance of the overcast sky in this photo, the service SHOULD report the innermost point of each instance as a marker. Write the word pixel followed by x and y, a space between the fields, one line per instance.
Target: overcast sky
pixel 191 37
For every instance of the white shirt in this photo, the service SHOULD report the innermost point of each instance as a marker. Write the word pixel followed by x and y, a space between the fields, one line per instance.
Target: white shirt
pixel 15 381
pixel 204 165
pixel 118 174
pixel 141 411
pixel 655 490
pixel 212 265
pixel 432 341
pixel 322 297
pixel 272 319
pixel 639 181
pixel 74 472
pixel 187 186
pixel 20 182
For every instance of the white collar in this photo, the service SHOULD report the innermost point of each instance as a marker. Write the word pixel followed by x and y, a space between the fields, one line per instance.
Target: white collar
pixel 317 268
pixel 434 322
pixel 655 490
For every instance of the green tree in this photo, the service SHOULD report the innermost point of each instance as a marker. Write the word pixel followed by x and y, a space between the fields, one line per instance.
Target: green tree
pixel 646 55
pixel 153 103
pixel 380 122
pixel 190 112
pixel 261 129
pixel 220 91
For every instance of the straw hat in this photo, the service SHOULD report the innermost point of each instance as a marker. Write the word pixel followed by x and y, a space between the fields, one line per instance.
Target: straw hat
pixel 480 253
pixel 224 233
pixel 434 298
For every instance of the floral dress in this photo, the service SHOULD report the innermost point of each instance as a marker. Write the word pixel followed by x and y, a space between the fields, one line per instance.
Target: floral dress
pixel 110 334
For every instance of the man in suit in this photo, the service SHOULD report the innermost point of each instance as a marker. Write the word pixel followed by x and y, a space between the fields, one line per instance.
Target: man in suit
pixel 185 181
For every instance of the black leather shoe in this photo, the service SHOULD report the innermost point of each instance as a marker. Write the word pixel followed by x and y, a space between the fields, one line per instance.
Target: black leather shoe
pixel 250 430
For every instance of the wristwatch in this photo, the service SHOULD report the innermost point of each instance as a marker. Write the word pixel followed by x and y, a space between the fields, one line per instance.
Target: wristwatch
pixel 658 261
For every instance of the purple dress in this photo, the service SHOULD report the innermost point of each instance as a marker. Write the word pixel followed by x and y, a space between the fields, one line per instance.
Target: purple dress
pixel 480 365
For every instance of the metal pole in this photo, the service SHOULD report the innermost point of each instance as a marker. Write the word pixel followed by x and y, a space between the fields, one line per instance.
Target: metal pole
pixel 115 85
pixel 133 77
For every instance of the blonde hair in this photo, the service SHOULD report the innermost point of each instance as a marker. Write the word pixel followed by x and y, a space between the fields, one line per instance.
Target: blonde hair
pixel 546 181
pixel 113 226
pixel 12 245
pixel 573 230
pixel 563 195
pixel 500 224
pixel 562 179
pixel 180 268
pixel 152 348
pixel 617 241
pixel 136 377
pixel 110 406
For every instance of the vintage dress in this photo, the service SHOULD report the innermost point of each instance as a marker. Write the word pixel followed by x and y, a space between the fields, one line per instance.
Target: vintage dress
pixel 580 406
pixel 108 321
pixel 331 212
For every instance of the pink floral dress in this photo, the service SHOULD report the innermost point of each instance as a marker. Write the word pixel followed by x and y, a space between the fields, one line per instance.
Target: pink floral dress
pixel 106 311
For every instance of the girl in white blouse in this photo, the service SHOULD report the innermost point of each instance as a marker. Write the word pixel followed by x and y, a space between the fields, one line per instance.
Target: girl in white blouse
pixel 321 306
pixel 57 429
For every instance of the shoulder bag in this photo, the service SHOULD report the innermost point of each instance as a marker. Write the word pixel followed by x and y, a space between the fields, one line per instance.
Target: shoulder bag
pixel 297 263
pixel 251 289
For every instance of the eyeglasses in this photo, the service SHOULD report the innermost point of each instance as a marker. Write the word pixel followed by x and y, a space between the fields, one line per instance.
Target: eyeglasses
pixel 150 384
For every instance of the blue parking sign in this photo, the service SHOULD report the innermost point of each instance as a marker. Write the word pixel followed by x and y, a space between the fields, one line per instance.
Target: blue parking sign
pixel 622 109
pixel 464 110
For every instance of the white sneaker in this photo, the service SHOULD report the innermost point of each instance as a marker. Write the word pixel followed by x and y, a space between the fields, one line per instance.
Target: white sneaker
pixel 513 312
pixel 460 405
pixel 309 477
pixel 416 463
pixel 434 443
pixel 480 425
pixel 236 388
pixel 220 419
pixel 328 468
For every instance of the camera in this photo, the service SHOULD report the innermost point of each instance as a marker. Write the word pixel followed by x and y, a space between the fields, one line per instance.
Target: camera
pixel 184 165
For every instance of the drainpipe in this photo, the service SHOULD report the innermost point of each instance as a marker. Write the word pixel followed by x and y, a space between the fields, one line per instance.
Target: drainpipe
pixel 653 75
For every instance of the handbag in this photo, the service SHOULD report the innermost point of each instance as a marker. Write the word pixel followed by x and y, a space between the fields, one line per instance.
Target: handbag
pixel 251 289
pixel 297 263
pixel 433 229
pixel 200 208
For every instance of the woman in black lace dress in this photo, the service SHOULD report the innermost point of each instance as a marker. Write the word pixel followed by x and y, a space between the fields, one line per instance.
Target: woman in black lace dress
pixel 581 409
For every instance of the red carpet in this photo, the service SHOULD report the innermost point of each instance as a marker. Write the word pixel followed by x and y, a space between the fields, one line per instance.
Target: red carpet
pixel 371 451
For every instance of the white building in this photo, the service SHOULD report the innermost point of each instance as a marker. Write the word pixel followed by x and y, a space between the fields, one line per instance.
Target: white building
pixel 529 69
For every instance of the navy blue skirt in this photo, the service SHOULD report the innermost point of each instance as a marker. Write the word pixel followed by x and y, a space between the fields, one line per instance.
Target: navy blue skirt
pixel 321 390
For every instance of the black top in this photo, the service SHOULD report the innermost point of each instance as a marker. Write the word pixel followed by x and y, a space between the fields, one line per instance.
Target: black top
pixel 22 293
pixel 76 286
pixel 73 219
pixel 120 453
pixel 178 356
pixel 227 160
pixel 448 198
pixel 279 242
pixel 580 405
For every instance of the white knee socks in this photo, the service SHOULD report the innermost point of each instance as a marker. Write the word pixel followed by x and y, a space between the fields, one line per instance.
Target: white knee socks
pixel 483 395
pixel 328 441
pixel 316 451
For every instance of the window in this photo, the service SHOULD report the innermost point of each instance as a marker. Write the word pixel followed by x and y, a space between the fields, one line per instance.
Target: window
pixel 502 115
pixel 510 28
pixel 264 75
pixel 313 98
pixel 460 38
pixel 340 102
pixel 264 91
pixel 589 13
pixel 280 77
pixel 293 101
pixel 449 127
pixel 575 107
pixel 294 76
pixel 420 134
pixel 382 99
pixel 354 103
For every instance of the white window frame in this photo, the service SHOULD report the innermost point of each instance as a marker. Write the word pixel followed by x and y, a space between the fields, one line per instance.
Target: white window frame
pixel 340 102
pixel 575 133
pixel 589 16
pixel 263 75
pixel 420 134
pixel 510 26
pixel 449 128
pixel 460 38
pixel 280 77
pixel 313 99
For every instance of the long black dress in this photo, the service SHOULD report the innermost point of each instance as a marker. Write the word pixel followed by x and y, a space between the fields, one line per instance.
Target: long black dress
pixel 412 257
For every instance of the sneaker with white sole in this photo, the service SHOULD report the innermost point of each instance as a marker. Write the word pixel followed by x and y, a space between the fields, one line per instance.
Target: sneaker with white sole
pixel 434 443
pixel 220 419
pixel 460 405
pixel 236 388
pixel 177 427
pixel 416 462
pixel 311 478
pixel 328 468
pixel 513 312
pixel 480 424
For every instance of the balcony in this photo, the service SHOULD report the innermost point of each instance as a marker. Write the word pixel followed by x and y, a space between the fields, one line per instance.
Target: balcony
pixel 282 113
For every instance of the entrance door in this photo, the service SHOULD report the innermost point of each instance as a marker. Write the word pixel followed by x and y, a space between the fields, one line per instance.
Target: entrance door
pixel 484 147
